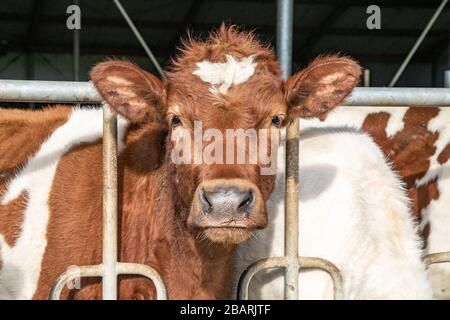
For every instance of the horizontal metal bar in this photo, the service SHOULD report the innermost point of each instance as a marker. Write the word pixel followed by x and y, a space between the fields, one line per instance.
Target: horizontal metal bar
pixel 282 262
pixel 74 274
pixel 399 97
pixel 98 271
pixel 48 91
pixel 84 92
pixel 254 268
pixel 438 257
pixel 327 266
pixel 146 271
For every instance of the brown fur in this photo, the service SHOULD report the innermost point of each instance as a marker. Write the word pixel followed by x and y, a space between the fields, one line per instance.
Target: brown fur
pixel 410 151
pixel 157 197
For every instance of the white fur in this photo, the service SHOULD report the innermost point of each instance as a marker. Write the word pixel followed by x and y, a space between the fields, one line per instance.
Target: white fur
pixel 19 274
pixel 354 117
pixel 353 212
pixel 437 212
pixel 224 75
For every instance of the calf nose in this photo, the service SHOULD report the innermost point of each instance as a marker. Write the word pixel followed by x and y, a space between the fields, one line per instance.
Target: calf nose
pixel 227 203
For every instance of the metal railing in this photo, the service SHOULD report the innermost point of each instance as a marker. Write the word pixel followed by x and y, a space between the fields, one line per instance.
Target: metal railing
pixel 110 268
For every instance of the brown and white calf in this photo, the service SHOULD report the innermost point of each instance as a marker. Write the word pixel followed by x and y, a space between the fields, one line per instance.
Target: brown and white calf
pixel 353 211
pixel 184 220
pixel 416 140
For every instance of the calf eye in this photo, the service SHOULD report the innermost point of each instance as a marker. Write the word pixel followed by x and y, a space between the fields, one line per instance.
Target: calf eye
pixel 277 120
pixel 175 121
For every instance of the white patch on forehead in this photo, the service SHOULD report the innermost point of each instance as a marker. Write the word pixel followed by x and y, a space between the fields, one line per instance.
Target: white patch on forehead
pixel 224 75
pixel 19 274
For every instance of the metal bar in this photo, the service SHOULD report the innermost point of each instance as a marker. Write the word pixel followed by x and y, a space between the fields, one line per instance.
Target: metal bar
pixel 73 274
pixel 97 271
pixel 84 92
pixel 285 25
pixel 366 81
pixel 282 262
pixel 327 266
pixel 48 91
pixel 146 271
pixel 140 39
pixel 109 281
pixel 76 50
pixel 285 15
pixel 417 44
pixel 254 268
pixel 447 78
pixel 399 97
pixel 438 257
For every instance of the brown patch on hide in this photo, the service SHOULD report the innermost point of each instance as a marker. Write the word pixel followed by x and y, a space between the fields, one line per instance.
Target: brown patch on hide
pixel 410 149
pixel 444 155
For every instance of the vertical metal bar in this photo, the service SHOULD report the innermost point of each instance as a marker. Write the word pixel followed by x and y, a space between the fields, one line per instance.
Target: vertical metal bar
pixel 109 281
pixel 447 78
pixel 285 13
pixel 76 50
pixel 418 43
pixel 140 39
pixel 366 78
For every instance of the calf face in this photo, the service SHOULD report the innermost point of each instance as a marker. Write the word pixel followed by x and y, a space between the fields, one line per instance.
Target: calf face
pixel 218 92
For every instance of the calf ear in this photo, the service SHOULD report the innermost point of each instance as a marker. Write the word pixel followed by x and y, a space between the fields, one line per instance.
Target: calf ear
pixel 325 83
pixel 129 90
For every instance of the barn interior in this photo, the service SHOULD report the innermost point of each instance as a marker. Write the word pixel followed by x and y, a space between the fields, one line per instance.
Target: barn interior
pixel 35 43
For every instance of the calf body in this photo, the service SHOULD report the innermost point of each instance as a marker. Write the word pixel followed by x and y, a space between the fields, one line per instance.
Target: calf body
pixel 354 213
pixel 416 141
pixel 54 205
pixel 183 218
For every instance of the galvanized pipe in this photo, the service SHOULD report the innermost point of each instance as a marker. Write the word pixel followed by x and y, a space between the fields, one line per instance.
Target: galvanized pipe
pixel 73 274
pixel 139 38
pixel 417 43
pixel 285 25
pixel 399 97
pixel 97 271
pixel 84 92
pixel 447 78
pixel 109 280
pixel 285 16
pixel 146 271
pixel 327 266
pixel 282 262
pixel 48 91
pixel 437 257
pixel 254 268
pixel 366 78
pixel 76 50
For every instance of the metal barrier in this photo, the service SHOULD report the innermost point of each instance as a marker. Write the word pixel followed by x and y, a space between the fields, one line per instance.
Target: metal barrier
pixel 109 269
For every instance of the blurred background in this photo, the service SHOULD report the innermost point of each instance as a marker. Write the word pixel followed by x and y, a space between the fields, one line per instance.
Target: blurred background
pixel 36 44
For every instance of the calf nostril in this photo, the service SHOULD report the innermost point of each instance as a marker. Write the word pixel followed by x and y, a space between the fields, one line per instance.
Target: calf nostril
pixel 206 203
pixel 247 203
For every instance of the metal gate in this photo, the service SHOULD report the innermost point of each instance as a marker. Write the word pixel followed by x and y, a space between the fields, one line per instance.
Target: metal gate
pixel 110 268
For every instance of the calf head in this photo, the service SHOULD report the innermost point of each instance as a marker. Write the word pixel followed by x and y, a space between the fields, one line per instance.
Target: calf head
pixel 215 91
